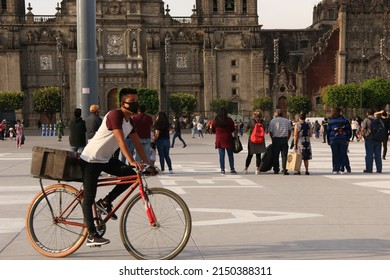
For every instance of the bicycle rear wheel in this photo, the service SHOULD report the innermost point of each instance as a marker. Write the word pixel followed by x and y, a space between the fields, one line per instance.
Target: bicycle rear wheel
pixel 163 241
pixel 53 238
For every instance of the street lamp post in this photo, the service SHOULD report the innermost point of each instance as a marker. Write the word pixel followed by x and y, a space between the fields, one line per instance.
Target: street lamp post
pixel 167 61
pixel 60 59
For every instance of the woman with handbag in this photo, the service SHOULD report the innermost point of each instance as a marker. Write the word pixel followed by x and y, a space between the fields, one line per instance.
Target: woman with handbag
pixel 255 147
pixel 223 127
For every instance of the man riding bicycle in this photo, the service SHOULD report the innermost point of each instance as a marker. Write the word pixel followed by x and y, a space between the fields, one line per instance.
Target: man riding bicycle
pixel 97 157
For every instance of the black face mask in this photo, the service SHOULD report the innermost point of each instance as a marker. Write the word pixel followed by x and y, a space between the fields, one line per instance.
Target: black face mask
pixel 133 107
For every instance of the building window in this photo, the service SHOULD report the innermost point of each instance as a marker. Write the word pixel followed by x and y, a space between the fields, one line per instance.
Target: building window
pixel 331 15
pixel 234 78
pixel 215 5
pixel 244 7
pixel 233 63
pixel 234 91
pixel 318 100
pixel 229 5
pixel 4 5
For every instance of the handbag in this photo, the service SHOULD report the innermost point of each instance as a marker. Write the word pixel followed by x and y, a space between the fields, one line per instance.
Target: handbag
pixel 237 146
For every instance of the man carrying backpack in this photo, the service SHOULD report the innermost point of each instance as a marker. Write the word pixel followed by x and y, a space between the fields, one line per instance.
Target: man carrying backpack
pixel 373 131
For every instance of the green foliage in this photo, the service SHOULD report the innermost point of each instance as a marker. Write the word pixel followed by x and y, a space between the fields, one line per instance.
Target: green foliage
pixel 343 96
pixel 376 93
pixel 182 103
pixel 218 103
pixel 262 103
pixel 149 97
pixel 297 104
pixel 47 100
pixel 11 100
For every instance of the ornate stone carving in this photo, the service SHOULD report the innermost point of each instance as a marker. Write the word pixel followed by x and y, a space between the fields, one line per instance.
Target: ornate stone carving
pixel 114 44
pixel 46 62
pixel 182 61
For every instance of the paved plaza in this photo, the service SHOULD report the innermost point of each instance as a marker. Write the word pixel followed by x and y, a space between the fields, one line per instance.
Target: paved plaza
pixel 258 217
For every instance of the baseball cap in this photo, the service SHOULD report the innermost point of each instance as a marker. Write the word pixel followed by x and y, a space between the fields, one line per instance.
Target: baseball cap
pixel 93 108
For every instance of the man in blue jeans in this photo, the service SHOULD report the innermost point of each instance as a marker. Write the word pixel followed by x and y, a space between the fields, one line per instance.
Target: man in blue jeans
pixel 373 148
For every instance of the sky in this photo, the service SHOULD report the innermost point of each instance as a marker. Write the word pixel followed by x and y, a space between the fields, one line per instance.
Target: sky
pixel 293 14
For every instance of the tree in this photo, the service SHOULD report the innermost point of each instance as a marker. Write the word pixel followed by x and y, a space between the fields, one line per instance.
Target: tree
pixel 182 103
pixel 11 100
pixel 297 104
pixel 149 97
pixel 218 103
pixel 376 93
pixel 47 101
pixel 343 96
pixel 262 103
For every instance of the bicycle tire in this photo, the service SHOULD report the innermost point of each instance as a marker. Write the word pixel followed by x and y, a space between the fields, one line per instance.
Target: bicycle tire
pixel 49 238
pixel 168 238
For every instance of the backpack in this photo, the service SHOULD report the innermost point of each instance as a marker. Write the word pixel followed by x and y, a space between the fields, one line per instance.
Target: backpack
pixel 378 131
pixel 257 135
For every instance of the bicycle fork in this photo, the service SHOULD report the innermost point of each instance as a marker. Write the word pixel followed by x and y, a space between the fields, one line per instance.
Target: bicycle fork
pixel 148 207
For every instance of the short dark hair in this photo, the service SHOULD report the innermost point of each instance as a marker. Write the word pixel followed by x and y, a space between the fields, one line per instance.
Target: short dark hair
pixel 370 111
pixel 77 112
pixel 125 91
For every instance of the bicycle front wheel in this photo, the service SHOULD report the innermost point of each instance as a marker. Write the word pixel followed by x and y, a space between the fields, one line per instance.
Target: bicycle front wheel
pixel 168 237
pixel 47 225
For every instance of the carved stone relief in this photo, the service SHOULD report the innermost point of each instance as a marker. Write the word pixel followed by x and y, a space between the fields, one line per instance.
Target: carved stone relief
pixel 46 62
pixel 115 44
pixel 182 61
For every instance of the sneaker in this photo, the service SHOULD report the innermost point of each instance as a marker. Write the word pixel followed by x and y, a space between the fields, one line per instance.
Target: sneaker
pixel 96 240
pixel 223 172
pixel 340 172
pixel 334 172
pixel 185 145
pixel 105 208
pixel 245 171
pixel 233 171
pixel 171 171
pixel 257 172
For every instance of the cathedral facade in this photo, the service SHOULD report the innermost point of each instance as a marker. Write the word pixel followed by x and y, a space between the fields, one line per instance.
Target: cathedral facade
pixel 219 51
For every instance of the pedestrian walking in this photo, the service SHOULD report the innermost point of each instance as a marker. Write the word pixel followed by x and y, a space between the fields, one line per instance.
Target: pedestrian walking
pixel 19 130
pixel 386 122
pixel 280 132
pixel 93 121
pixel 338 135
pixel 255 147
pixel 77 132
pixel 303 131
pixel 161 140
pixel 60 129
pixel 373 144
pixel 324 128
pixel 199 128
pixel 177 132
pixel 223 127
pixel 143 123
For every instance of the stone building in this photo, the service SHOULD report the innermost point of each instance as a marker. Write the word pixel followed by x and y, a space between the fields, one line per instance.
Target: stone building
pixel 218 51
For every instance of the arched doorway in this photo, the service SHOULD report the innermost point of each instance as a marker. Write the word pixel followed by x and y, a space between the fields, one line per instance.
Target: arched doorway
pixel 282 105
pixel 112 100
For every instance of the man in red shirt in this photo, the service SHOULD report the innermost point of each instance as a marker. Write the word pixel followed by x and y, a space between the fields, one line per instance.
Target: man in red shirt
pixel 143 125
